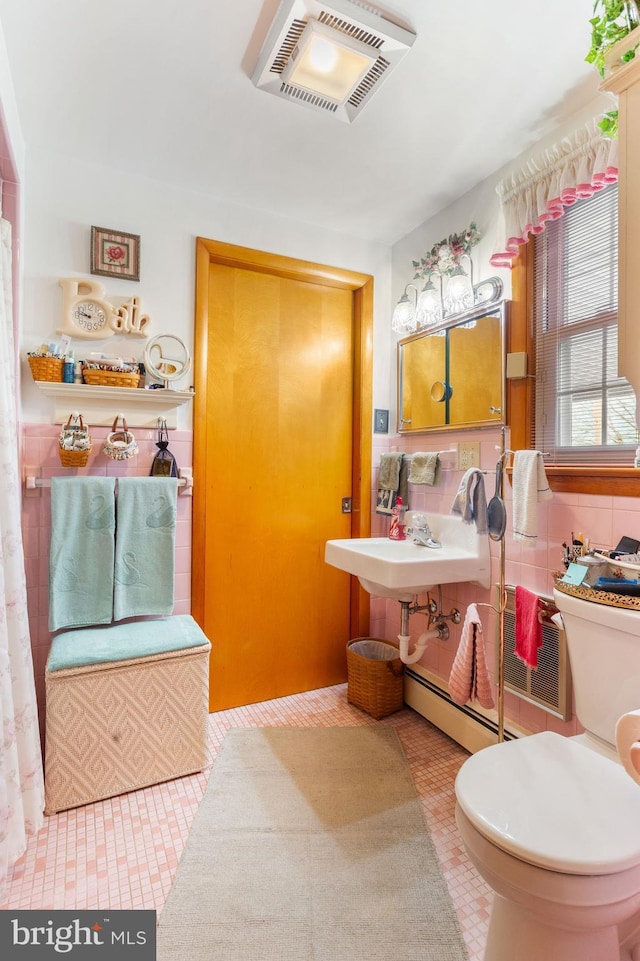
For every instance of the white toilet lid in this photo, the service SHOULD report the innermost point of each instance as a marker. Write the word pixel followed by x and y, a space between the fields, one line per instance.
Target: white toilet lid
pixel 552 802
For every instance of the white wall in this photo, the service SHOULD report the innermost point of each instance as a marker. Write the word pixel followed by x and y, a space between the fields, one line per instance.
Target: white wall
pixel 63 199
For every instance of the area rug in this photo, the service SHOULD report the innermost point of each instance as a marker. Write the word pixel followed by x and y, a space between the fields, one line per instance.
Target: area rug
pixel 310 844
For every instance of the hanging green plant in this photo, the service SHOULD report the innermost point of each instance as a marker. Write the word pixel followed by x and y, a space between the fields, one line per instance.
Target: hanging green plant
pixel 613 20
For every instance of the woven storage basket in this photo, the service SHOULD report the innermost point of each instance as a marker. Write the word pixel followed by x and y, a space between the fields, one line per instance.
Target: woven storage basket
pixel 110 378
pixel 374 677
pixel 75 431
pixel 46 368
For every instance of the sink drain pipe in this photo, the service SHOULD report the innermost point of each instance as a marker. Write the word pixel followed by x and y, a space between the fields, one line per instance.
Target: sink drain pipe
pixel 439 631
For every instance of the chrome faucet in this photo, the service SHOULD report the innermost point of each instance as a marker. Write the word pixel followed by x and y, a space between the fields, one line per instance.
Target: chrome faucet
pixel 421 532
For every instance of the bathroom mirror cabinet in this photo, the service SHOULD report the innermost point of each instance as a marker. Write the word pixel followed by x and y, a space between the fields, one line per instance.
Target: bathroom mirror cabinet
pixel 453 375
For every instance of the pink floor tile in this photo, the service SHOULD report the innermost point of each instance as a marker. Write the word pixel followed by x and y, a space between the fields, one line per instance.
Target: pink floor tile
pixel 123 852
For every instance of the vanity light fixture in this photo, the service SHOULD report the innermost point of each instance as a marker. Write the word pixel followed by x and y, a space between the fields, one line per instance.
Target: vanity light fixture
pixel 404 314
pixel 456 292
pixel 430 310
pixel 459 296
pixel 330 56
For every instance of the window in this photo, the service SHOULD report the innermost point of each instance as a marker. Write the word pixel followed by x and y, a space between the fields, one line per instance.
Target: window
pixel 584 412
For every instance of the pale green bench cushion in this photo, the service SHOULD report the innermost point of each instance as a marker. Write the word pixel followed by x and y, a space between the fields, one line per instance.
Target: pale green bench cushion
pixel 123 642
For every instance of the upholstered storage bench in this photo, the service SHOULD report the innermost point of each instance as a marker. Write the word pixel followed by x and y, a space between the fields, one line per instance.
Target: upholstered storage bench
pixel 126 707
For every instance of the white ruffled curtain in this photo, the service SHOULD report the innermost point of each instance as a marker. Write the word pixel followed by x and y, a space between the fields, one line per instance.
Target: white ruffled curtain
pixel 568 171
pixel 21 777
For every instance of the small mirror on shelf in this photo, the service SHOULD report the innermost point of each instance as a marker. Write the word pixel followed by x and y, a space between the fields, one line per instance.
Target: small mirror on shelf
pixel 453 375
pixel 167 359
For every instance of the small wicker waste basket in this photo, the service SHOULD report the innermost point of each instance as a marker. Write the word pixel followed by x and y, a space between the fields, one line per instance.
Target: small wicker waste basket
pixel 374 677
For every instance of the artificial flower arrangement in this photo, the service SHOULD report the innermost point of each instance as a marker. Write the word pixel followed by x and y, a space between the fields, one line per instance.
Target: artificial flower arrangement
pixel 444 257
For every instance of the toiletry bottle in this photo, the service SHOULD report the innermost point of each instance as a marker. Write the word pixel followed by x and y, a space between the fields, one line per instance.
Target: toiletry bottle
pixel 69 369
pixel 636 459
pixel 396 528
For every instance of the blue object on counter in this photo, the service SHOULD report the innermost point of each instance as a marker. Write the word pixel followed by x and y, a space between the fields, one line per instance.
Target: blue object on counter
pixel 68 372
pixel 615 580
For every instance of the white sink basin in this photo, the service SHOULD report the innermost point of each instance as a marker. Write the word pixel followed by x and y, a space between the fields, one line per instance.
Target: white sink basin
pixel 402 569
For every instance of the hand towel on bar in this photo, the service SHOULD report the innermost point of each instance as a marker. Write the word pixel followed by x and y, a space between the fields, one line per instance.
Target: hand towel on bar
pixel 145 546
pixel 470 502
pixel 469 679
pixel 530 485
pixel 528 627
pixel 81 551
pixel 424 468
pixel 392 481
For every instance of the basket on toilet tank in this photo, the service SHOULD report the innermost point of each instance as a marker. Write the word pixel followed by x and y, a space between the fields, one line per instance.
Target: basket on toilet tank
pixel 375 681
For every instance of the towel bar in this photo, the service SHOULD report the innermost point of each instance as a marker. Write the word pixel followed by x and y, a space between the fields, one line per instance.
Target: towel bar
pixel 33 482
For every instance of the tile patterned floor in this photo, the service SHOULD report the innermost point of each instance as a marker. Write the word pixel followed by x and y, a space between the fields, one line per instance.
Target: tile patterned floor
pixel 123 852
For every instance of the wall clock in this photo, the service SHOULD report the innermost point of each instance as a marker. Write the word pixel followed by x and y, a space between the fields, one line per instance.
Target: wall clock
pixel 86 313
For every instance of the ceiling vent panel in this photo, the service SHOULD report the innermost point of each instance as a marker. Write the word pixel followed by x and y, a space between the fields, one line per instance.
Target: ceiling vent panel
pixel 305 96
pixel 347 23
pixel 288 46
pixel 350 29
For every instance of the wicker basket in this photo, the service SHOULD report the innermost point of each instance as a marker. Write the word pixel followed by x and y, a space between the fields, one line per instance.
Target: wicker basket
pixel 110 378
pixel 75 430
pixel 374 677
pixel 46 368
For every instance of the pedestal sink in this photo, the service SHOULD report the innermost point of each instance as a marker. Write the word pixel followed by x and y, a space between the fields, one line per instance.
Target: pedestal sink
pixel 402 569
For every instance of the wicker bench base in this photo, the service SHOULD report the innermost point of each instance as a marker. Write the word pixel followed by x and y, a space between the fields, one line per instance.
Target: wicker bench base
pixel 119 726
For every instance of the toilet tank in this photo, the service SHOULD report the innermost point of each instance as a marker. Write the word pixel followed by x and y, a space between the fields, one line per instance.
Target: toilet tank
pixel 604 652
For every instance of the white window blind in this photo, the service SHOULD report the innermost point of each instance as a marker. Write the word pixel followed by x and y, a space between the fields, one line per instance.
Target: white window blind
pixel 585 412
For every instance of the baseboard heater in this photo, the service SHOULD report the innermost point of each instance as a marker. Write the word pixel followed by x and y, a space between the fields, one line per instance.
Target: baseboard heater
pixel 473 728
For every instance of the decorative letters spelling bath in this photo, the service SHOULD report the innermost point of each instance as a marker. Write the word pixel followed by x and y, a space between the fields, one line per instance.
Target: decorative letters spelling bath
pixel 87 315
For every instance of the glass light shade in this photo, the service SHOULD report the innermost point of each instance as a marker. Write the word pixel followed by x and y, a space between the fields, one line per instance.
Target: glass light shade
pixel 328 62
pixel 459 295
pixel 429 307
pixel 404 315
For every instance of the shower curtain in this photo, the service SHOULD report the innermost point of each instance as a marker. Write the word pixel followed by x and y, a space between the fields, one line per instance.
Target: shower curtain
pixel 21 777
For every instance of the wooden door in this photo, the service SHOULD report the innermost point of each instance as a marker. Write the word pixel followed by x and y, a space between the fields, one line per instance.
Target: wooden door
pixel 281 399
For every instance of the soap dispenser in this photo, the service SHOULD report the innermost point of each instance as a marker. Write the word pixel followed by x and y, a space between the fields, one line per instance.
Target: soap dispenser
pixel 396 528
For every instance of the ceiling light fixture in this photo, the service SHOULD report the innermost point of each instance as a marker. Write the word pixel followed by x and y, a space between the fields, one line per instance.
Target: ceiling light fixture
pixel 331 56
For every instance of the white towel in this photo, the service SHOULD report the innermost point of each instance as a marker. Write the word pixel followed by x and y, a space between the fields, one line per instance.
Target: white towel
pixel 530 486
pixel 470 502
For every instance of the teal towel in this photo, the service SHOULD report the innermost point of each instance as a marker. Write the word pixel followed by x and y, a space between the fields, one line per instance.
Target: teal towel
pixel 145 546
pixel 81 551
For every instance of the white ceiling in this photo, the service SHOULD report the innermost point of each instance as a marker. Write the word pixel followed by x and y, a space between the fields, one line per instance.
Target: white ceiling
pixel 162 88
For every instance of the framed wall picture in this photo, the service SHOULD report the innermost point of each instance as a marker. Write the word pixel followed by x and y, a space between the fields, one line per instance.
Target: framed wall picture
pixel 115 254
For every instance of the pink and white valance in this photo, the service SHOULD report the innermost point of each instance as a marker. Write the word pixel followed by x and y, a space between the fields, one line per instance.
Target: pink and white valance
pixel 571 170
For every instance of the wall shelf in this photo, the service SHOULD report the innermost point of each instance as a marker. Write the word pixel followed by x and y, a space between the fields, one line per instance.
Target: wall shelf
pixel 100 405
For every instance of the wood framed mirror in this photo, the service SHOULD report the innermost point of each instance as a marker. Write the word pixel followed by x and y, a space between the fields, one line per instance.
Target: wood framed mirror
pixel 453 375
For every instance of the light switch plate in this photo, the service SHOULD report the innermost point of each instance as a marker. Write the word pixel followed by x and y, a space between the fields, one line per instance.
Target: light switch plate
pixel 381 422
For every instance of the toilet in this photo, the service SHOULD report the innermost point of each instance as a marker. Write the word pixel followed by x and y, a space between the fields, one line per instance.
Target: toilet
pixel 552 823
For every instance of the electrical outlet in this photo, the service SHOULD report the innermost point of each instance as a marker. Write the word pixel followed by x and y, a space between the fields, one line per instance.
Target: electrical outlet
pixel 469 455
